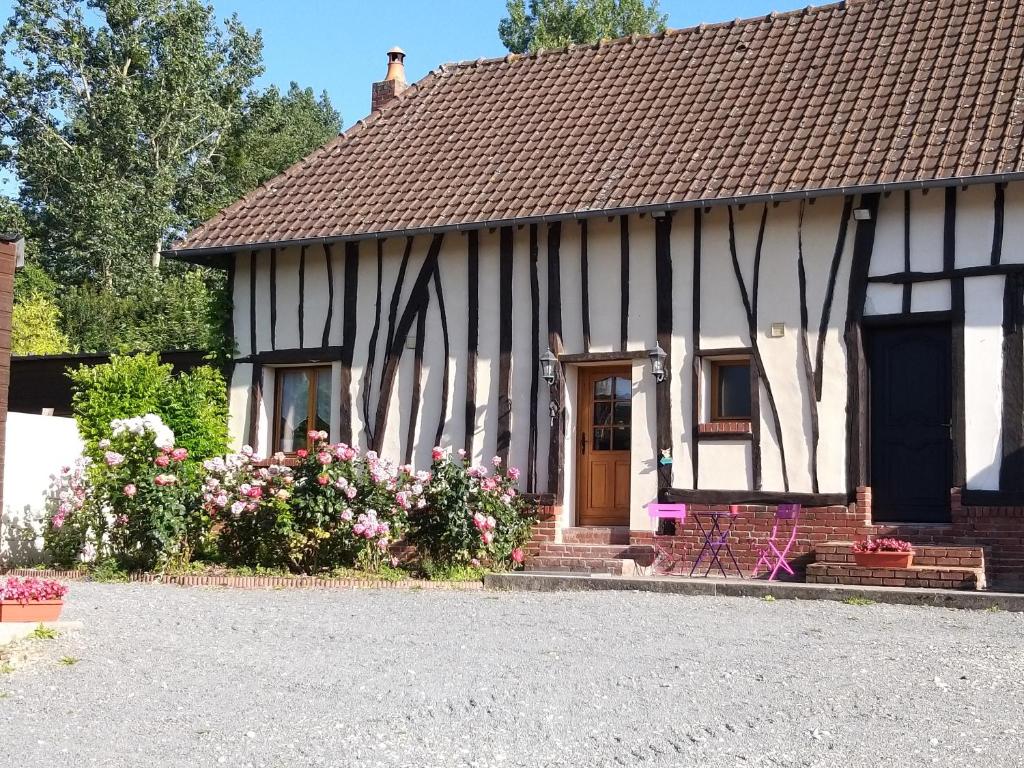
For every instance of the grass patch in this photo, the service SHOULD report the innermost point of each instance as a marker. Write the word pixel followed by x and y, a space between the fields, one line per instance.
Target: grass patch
pixel 108 572
pixel 6 668
pixel 768 598
pixel 858 601
pixel 67 661
pixel 994 609
pixel 43 633
pixel 454 572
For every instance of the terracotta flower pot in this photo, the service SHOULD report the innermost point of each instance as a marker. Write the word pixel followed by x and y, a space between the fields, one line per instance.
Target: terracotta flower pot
pixel 34 611
pixel 883 559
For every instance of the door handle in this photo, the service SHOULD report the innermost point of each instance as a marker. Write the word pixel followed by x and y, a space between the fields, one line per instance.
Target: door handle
pixel 583 442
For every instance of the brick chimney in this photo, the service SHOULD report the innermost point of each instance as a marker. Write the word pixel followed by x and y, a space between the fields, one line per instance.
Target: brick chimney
pixel 393 83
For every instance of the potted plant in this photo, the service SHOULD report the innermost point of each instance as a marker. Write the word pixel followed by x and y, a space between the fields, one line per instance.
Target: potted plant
pixel 31 599
pixel 883 553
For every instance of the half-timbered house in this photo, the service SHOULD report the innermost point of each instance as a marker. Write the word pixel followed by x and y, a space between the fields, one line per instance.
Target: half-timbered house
pixel 773 259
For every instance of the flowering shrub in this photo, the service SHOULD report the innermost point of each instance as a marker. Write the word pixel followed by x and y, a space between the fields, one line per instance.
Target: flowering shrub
pixel 349 508
pixel 248 507
pixel 882 545
pixel 472 516
pixel 130 504
pixel 30 589
pixel 67 528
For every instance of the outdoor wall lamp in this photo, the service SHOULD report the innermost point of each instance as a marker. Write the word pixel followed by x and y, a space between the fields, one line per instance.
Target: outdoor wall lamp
pixel 658 356
pixel 547 366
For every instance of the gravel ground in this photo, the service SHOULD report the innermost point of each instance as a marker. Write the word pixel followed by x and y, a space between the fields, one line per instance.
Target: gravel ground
pixel 171 676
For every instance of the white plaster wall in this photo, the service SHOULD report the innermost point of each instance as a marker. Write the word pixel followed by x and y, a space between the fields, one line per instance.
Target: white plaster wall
pixel 644 457
pixel 523 360
pixel 1013 225
pixel 263 301
pixel 983 353
pixel 489 348
pixel 240 300
pixel 889 246
pixel 571 290
pixel 975 217
pixel 238 405
pixel 288 299
pixel 37 448
pixel 643 330
pixel 723 322
pixel 932 296
pixel 725 465
pixel 605 265
pixel 681 374
pixel 317 293
pixel 884 299
pixel 927 222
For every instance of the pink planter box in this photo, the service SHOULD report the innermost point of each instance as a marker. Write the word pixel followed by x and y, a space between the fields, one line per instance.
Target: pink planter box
pixel 34 611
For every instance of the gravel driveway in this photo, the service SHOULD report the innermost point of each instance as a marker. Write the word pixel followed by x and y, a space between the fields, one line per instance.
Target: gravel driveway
pixel 171 676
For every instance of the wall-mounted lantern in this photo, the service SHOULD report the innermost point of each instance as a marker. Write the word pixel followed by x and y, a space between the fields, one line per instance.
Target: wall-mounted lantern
pixel 658 356
pixel 547 366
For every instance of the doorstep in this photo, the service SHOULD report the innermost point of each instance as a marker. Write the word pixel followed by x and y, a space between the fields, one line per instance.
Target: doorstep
pixel 12 631
pixel 937 598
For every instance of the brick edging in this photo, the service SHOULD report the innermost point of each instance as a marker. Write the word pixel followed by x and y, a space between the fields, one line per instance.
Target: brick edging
pixel 258 582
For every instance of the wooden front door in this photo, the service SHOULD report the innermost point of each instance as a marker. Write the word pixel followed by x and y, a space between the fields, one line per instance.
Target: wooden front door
pixel 911 416
pixel 603 430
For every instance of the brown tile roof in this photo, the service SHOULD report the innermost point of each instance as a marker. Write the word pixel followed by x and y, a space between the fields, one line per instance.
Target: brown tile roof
pixel 854 94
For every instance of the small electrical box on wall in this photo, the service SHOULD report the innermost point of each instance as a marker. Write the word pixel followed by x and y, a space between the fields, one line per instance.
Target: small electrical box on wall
pixel 777 331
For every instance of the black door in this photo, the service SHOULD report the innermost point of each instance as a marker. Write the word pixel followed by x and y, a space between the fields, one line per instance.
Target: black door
pixel 911 411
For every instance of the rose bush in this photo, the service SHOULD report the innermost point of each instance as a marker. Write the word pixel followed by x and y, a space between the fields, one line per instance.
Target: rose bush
pixel 248 507
pixel 67 529
pixel 472 515
pixel 351 507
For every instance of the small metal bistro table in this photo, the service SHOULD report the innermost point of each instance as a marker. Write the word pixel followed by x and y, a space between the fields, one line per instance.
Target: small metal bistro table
pixel 715 527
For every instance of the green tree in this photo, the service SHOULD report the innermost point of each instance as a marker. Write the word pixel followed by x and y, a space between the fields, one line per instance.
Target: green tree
pixel 35 327
pixel 275 131
pixel 114 111
pixel 558 23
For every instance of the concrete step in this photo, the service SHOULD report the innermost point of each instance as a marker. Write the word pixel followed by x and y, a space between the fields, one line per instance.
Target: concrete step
pixel 918 576
pixel 621 566
pixel 596 535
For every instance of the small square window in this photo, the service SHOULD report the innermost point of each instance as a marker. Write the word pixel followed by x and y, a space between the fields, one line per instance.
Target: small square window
pixel 730 390
pixel 302 403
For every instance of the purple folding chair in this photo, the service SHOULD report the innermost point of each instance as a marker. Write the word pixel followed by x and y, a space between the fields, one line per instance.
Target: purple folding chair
pixel 784 512
pixel 663 562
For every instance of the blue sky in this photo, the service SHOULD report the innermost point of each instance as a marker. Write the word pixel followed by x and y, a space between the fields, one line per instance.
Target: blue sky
pixel 339 45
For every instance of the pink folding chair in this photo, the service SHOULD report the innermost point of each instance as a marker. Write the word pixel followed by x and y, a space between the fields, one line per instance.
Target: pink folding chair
pixel 664 562
pixel 771 552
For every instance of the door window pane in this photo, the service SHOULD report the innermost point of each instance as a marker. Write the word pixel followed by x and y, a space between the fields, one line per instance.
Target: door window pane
pixel 604 387
pixel 620 439
pixel 602 439
pixel 602 413
pixel 623 388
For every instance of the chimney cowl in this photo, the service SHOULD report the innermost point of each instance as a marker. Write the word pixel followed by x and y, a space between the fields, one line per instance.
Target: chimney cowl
pixel 393 83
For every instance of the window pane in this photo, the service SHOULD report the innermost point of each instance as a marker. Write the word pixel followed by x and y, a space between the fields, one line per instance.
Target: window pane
pixel 294 413
pixel 623 388
pixel 603 387
pixel 620 439
pixel 734 391
pixel 602 413
pixel 622 413
pixel 602 440
pixel 323 399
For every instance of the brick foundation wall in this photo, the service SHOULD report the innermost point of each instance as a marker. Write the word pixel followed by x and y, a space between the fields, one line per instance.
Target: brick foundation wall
pixel 999 530
pixel 544 530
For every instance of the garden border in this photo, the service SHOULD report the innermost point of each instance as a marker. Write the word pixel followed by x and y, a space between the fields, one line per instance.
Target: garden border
pixel 258 582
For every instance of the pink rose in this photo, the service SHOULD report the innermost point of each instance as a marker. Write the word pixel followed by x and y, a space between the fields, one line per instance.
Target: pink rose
pixel 163 480
pixel 517 555
pixel 302 453
pixel 350 492
pixel 488 537
pixel 130 490
pixel 324 458
pixel 313 434
pixel 179 454
pixel 323 479
pixel 161 461
pixel 437 454
pixel 113 459
pixel 513 472
pixel 496 461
